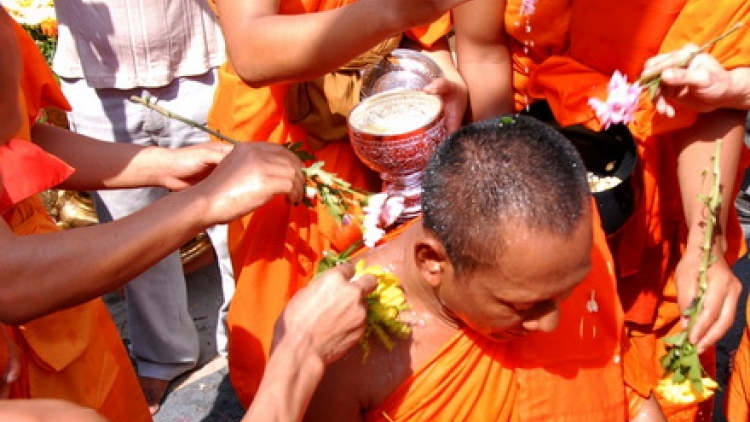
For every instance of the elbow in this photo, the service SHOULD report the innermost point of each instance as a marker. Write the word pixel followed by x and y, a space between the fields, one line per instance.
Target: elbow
pixel 249 71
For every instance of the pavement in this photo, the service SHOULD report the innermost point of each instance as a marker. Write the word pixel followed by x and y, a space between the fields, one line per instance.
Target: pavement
pixel 204 394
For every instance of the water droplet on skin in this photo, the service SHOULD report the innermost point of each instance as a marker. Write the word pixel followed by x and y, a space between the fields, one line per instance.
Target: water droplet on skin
pixel 531 43
pixel 527 28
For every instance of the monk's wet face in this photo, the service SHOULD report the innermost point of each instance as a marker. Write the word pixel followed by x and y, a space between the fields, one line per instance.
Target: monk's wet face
pixel 534 273
pixel 10 76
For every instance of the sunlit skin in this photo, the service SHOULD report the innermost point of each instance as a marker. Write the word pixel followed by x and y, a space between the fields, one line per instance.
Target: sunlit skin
pixel 534 273
pixel 518 294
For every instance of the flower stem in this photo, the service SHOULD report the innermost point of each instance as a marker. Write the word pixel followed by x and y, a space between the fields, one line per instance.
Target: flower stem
pixel 163 111
pixel 712 201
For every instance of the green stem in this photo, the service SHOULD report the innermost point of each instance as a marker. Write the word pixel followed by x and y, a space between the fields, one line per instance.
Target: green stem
pixel 713 200
pixel 163 111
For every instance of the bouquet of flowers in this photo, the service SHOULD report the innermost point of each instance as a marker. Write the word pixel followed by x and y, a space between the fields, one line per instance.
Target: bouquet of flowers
pixel 37 17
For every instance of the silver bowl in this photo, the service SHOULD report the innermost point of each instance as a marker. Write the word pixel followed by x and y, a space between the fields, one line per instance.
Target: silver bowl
pixel 402 69
pixel 395 133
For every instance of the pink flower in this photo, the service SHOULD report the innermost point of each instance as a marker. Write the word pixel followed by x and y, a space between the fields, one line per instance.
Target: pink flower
pixel 528 7
pixel 392 208
pixel 621 103
pixel 311 193
pixel 380 212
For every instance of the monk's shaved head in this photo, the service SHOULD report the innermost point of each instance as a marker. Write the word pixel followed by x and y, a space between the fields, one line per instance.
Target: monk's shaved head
pixel 511 170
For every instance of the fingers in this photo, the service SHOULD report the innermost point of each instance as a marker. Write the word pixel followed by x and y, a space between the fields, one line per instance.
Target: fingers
pixel 366 284
pixel 678 58
pixel 718 314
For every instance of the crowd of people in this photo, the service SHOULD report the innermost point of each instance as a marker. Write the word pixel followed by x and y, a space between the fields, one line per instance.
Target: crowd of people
pixel 521 306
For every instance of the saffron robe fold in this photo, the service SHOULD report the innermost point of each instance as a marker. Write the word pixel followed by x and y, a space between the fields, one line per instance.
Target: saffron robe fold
pixel 74 354
pixel 569 59
pixel 738 392
pixel 275 249
pixel 571 374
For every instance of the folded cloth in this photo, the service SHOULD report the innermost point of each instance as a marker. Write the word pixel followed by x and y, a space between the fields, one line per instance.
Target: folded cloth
pixel 25 170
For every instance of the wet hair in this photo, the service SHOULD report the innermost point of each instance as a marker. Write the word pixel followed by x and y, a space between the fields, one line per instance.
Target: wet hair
pixel 510 169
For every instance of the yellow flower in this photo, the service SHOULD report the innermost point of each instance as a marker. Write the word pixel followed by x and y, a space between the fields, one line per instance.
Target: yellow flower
pixel 383 307
pixel 684 392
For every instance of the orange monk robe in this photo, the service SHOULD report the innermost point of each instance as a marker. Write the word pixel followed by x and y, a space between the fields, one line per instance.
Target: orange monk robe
pixel 571 374
pixel 75 354
pixel 738 391
pixel 568 60
pixel 275 250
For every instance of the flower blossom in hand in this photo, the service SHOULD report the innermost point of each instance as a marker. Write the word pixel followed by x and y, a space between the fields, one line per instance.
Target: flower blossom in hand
pixel 380 212
pixel 528 7
pixel 621 103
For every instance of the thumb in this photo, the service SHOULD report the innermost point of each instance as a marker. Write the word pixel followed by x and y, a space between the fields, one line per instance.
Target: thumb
pixel 366 283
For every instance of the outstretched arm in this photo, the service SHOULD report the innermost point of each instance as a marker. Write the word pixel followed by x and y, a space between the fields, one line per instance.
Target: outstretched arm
pixel 696 147
pixel 320 323
pixel 77 265
pixel 321 42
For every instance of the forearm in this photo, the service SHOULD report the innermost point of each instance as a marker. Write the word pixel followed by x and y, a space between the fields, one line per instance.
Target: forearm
pixel 48 272
pixel 101 165
pixel 483 58
pixel 320 42
pixel 490 89
pixel 696 148
pixel 290 379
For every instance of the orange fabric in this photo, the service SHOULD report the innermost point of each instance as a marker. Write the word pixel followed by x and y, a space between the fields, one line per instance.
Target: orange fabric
pixel 571 60
pixel 275 250
pixel 74 354
pixel 581 358
pixel 27 169
pixel 738 391
pixel 470 379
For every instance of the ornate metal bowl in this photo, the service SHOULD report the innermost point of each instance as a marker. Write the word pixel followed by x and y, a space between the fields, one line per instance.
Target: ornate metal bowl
pixel 402 69
pixel 395 133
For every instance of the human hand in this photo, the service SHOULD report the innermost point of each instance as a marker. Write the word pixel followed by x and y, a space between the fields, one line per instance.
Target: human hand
pixel 704 85
pixel 187 166
pixel 720 300
pixel 248 177
pixel 454 96
pixel 328 315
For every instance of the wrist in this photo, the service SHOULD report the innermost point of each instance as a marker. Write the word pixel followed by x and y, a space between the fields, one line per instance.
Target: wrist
pixel 739 96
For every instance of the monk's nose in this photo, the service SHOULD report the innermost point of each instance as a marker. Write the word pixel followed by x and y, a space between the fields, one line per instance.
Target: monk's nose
pixel 546 322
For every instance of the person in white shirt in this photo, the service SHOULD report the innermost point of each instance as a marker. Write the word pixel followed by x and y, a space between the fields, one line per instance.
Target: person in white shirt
pixel 107 52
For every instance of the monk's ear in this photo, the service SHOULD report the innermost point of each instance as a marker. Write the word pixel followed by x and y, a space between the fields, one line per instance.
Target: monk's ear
pixel 431 260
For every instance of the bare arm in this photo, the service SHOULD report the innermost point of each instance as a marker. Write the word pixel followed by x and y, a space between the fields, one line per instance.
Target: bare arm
pixel 78 265
pixel 313 44
pixel 107 165
pixel 483 59
pixel 46 410
pixel 318 325
pixel 696 147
